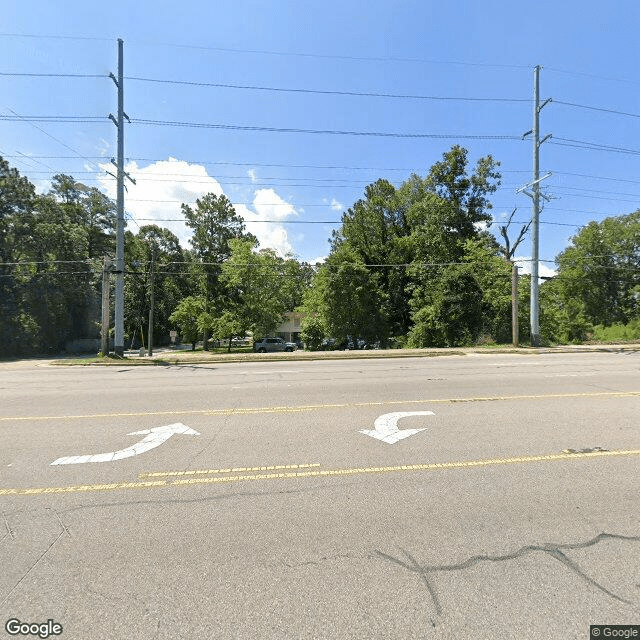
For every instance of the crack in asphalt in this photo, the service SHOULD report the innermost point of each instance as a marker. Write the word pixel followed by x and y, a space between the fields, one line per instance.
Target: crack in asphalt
pixel 31 568
pixel 59 519
pixel 64 531
pixel 425 578
pixel 553 550
pixel 8 526
pixel 564 559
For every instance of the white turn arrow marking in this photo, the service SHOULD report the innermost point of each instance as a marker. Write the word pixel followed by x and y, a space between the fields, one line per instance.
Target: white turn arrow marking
pixel 155 437
pixel 386 426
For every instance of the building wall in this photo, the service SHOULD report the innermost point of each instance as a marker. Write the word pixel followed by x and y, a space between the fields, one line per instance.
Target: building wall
pixel 289 330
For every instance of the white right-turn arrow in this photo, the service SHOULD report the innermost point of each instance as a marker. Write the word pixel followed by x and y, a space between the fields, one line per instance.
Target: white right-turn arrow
pixel 386 426
pixel 154 438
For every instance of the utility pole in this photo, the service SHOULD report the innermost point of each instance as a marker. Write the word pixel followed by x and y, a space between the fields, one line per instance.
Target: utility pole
pixel 106 282
pixel 515 332
pixel 535 196
pixel 118 346
pixel 150 333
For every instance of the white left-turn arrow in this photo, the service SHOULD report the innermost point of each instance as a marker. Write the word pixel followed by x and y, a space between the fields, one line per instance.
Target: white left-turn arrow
pixel 386 426
pixel 154 438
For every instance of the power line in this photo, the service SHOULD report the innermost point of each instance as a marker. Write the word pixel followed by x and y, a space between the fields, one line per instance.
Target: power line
pixel 235 127
pixel 592 146
pixel 53 75
pixel 589 75
pixel 55 119
pixel 260 164
pixel 617 193
pixel 299 54
pixel 333 222
pixel 46 133
pixel 584 106
pixel 584 175
pixel 369 94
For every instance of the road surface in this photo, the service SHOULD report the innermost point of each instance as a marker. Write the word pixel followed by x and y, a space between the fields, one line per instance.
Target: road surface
pixel 264 509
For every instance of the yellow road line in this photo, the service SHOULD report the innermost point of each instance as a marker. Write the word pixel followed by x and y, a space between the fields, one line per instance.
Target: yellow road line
pixel 275 467
pixel 434 466
pixel 80 488
pixel 316 407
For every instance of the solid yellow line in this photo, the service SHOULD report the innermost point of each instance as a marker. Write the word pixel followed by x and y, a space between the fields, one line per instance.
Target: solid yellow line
pixel 316 407
pixel 435 466
pixel 408 467
pixel 275 467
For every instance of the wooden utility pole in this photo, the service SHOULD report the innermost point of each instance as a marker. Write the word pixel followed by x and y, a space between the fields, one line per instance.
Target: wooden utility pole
pixel 515 330
pixel 151 303
pixel 106 282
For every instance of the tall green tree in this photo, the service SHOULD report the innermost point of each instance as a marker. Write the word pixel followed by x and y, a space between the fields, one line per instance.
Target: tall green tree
pixel 258 290
pixel 214 222
pixel 375 230
pixel 600 269
pixel 349 300
pixel 18 328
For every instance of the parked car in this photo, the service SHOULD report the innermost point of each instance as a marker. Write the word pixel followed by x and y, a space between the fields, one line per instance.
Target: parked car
pixel 359 343
pixel 273 344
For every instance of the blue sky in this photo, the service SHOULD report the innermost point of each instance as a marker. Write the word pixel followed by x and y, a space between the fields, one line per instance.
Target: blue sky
pixel 293 186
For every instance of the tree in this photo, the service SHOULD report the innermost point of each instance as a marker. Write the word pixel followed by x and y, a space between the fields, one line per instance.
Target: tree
pixel 599 269
pixel 312 332
pixel 214 222
pixel 493 274
pixel 185 317
pixel 468 195
pixel 18 329
pixel 352 301
pixel 375 230
pixel 453 317
pixel 155 253
pixel 562 319
pixel 255 282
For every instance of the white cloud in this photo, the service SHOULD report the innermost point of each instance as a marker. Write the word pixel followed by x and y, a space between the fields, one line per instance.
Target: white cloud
pixel 104 146
pixel 163 186
pixel 269 206
pixel 336 206
pixel 252 174
pixel 524 262
pixel 318 260
pixel 159 191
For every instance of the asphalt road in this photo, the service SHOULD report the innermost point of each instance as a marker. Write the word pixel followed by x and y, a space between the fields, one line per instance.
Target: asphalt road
pixel 513 513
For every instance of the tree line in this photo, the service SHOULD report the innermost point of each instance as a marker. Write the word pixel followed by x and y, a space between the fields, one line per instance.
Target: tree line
pixel 413 265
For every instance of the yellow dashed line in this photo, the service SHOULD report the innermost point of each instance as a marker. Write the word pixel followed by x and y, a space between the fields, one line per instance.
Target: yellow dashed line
pixel 317 407
pixel 80 488
pixel 276 467
pixel 435 466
